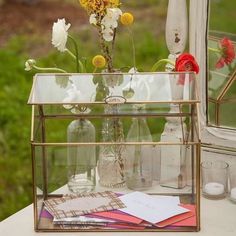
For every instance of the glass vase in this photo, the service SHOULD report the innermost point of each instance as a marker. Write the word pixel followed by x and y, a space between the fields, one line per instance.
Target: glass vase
pixel 111 160
pixel 139 158
pixel 173 157
pixel 81 159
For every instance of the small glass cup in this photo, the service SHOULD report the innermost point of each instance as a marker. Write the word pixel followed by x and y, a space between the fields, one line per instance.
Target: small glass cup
pixel 214 179
pixel 232 182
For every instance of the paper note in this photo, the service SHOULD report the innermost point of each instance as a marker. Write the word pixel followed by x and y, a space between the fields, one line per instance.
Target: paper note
pixel 82 204
pixel 151 209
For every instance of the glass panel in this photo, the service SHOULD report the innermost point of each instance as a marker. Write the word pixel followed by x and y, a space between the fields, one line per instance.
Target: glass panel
pixel 55 178
pixel 56 129
pixel 222 65
pixel 89 88
pixel 64 154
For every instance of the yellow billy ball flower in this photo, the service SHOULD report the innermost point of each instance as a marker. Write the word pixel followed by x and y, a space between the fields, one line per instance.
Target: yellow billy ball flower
pixel 127 18
pixel 99 61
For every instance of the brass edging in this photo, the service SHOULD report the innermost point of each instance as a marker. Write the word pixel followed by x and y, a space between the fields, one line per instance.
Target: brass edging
pixel 129 103
pixel 44 159
pixel 94 116
pixel 114 143
pixel 32 124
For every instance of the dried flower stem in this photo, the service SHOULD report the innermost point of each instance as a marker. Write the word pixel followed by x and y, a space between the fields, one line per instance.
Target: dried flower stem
pixel 106 52
pixel 113 44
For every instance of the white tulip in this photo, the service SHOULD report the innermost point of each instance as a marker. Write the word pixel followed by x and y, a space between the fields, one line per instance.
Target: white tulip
pixel 29 64
pixel 60 34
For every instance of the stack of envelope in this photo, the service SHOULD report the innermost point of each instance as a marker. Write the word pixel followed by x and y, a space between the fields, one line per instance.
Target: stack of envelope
pixel 109 210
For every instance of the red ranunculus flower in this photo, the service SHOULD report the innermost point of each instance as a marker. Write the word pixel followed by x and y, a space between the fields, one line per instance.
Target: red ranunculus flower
pixel 185 62
pixel 228 53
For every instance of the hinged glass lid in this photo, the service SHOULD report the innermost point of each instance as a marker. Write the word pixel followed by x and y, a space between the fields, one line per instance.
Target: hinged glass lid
pixel 118 88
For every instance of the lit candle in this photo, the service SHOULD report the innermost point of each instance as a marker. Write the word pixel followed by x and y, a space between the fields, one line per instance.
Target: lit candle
pixel 215 189
pixel 233 194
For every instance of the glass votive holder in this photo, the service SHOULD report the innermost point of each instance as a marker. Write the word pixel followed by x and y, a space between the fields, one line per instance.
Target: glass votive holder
pixel 214 179
pixel 232 183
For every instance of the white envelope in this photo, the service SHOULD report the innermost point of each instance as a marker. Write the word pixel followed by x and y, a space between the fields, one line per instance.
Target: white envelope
pixel 150 208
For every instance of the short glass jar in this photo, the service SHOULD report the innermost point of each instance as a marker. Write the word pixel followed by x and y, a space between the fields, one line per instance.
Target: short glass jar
pixel 214 179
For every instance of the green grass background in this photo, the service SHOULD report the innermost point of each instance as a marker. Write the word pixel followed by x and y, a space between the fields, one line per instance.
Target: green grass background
pixel 15 84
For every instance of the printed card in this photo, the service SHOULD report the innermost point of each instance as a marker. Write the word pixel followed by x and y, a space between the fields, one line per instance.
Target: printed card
pixel 82 204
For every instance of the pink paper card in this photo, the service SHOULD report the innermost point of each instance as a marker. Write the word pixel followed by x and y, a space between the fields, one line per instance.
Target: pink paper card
pixel 120 216
pixel 123 226
pixel 175 219
pixel 191 221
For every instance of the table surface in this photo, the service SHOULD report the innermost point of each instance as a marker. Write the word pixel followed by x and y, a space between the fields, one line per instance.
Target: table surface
pixel 218 217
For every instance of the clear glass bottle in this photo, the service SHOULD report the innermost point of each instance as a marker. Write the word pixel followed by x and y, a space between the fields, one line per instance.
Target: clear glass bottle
pixel 173 157
pixel 139 158
pixel 111 160
pixel 81 160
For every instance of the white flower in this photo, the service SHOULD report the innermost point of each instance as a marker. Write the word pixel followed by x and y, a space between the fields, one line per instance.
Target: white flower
pixel 110 22
pixel 60 34
pixel 93 19
pixel 112 17
pixel 29 64
pixel 108 34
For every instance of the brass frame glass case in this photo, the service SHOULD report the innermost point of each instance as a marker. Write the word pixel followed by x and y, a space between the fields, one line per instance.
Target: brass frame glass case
pixel 52 112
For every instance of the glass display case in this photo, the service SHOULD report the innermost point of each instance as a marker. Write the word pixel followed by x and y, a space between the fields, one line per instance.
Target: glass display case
pixel 221 84
pixel 120 135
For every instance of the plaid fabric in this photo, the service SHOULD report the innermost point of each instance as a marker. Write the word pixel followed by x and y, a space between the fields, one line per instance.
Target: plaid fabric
pixel 114 203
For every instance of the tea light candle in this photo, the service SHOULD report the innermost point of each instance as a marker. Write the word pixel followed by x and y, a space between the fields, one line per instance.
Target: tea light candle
pixel 233 194
pixel 214 189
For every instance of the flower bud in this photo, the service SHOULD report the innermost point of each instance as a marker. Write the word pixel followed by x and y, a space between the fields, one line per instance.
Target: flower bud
pixel 29 64
pixel 99 61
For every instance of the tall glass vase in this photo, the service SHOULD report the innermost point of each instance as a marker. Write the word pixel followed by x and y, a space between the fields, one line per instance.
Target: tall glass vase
pixel 173 158
pixel 111 157
pixel 81 159
pixel 139 158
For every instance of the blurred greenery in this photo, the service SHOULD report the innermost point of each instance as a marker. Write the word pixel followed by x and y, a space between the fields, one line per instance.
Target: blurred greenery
pixel 15 180
pixel 15 115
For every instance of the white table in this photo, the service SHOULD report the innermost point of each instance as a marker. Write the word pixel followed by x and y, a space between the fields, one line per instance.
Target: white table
pixel 218 218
